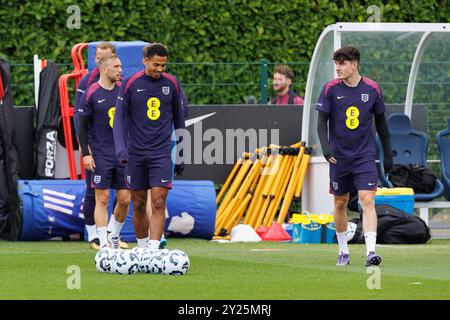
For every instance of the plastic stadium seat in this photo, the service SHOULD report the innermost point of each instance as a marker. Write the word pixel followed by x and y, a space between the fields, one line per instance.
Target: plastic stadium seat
pixel 409 146
pixel 443 141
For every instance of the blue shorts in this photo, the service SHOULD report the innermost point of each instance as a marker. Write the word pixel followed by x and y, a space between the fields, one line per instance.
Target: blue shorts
pixel 349 175
pixel 108 173
pixel 145 172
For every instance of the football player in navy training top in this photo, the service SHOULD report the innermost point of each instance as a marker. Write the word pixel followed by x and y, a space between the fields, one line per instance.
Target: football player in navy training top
pixel 148 108
pixel 97 111
pixel 102 49
pixel 346 107
pixel 184 102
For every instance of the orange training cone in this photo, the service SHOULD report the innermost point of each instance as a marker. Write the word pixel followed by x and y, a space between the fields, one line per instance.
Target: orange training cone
pixel 276 233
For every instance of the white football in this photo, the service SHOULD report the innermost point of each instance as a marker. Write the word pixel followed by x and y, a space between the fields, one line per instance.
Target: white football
pixel 103 259
pixel 176 263
pixel 125 262
pixel 145 259
pixel 351 229
pixel 139 251
pixel 157 261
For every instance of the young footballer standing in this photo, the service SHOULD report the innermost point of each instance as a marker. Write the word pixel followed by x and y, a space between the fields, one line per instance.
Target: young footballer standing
pixel 346 107
pixel 97 111
pixel 148 109
pixel 102 49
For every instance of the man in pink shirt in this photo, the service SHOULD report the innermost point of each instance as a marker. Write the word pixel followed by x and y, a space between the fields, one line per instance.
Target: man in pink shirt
pixel 282 81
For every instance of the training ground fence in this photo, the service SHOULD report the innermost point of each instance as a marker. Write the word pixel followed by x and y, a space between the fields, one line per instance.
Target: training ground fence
pixel 234 83
pixel 207 83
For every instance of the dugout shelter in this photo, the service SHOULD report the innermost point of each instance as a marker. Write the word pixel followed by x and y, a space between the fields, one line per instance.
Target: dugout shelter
pixel 421 47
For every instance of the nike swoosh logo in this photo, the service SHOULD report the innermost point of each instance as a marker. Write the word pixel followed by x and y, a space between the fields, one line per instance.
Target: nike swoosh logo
pixel 164 181
pixel 139 90
pixel 100 101
pixel 340 97
pixel 371 184
pixel 192 121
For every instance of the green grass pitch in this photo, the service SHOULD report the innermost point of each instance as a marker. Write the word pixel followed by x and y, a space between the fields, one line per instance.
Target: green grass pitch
pixel 222 271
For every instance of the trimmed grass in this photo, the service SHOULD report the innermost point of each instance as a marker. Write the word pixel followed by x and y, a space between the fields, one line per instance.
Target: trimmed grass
pixel 254 271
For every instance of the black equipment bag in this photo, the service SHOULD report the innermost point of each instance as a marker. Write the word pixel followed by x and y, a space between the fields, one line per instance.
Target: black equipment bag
pixel 47 121
pixel 10 214
pixel 395 227
pixel 420 178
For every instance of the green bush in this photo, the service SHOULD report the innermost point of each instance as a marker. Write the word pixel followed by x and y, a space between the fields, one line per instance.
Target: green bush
pixel 195 30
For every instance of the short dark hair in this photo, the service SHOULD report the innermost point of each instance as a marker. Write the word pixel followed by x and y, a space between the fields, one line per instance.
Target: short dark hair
pixel 106 45
pixel 284 70
pixel 348 53
pixel 155 49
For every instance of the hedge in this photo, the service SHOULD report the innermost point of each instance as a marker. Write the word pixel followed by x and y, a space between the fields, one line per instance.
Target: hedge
pixel 195 30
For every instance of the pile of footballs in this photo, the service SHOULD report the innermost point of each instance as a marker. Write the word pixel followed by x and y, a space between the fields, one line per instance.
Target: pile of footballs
pixel 142 259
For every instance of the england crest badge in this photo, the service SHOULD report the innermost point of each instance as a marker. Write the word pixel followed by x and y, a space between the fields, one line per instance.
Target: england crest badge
pixel 165 90
pixel 364 97
pixel 335 186
pixel 97 179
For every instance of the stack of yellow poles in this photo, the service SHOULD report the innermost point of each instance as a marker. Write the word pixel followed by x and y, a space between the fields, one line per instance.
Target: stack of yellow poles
pixel 303 167
pixel 257 200
pixel 273 183
pixel 258 184
pixel 236 198
pixel 233 188
pixel 277 196
pixel 274 174
pixel 295 184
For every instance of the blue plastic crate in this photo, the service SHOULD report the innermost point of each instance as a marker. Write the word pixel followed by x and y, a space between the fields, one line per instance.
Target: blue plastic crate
pixel 401 202
pixel 400 198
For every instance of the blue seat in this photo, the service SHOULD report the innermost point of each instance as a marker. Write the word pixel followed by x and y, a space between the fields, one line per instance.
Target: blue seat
pixel 443 141
pixel 409 146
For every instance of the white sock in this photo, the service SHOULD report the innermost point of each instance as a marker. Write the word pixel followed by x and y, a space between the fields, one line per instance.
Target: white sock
pixel 92 232
pixel 142 242
pixel 153 244
pixel 342 241
pixel 371 241
pixel 112 220
pixel 116 228
pixel 103 236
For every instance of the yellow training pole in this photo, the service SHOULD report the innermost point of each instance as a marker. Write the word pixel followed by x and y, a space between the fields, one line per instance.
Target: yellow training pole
pixel 240 195
pixel 261 204
pixel 251 212
pixel 235 185
pixel 291 187
pixel 255 203
pixel 237 213
pixel 229 179
pixel 278 182
pixel 262 213
pixel 279 195
pixel 220 222
pixel 303 168
pixel 248 179
pixel 273 173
